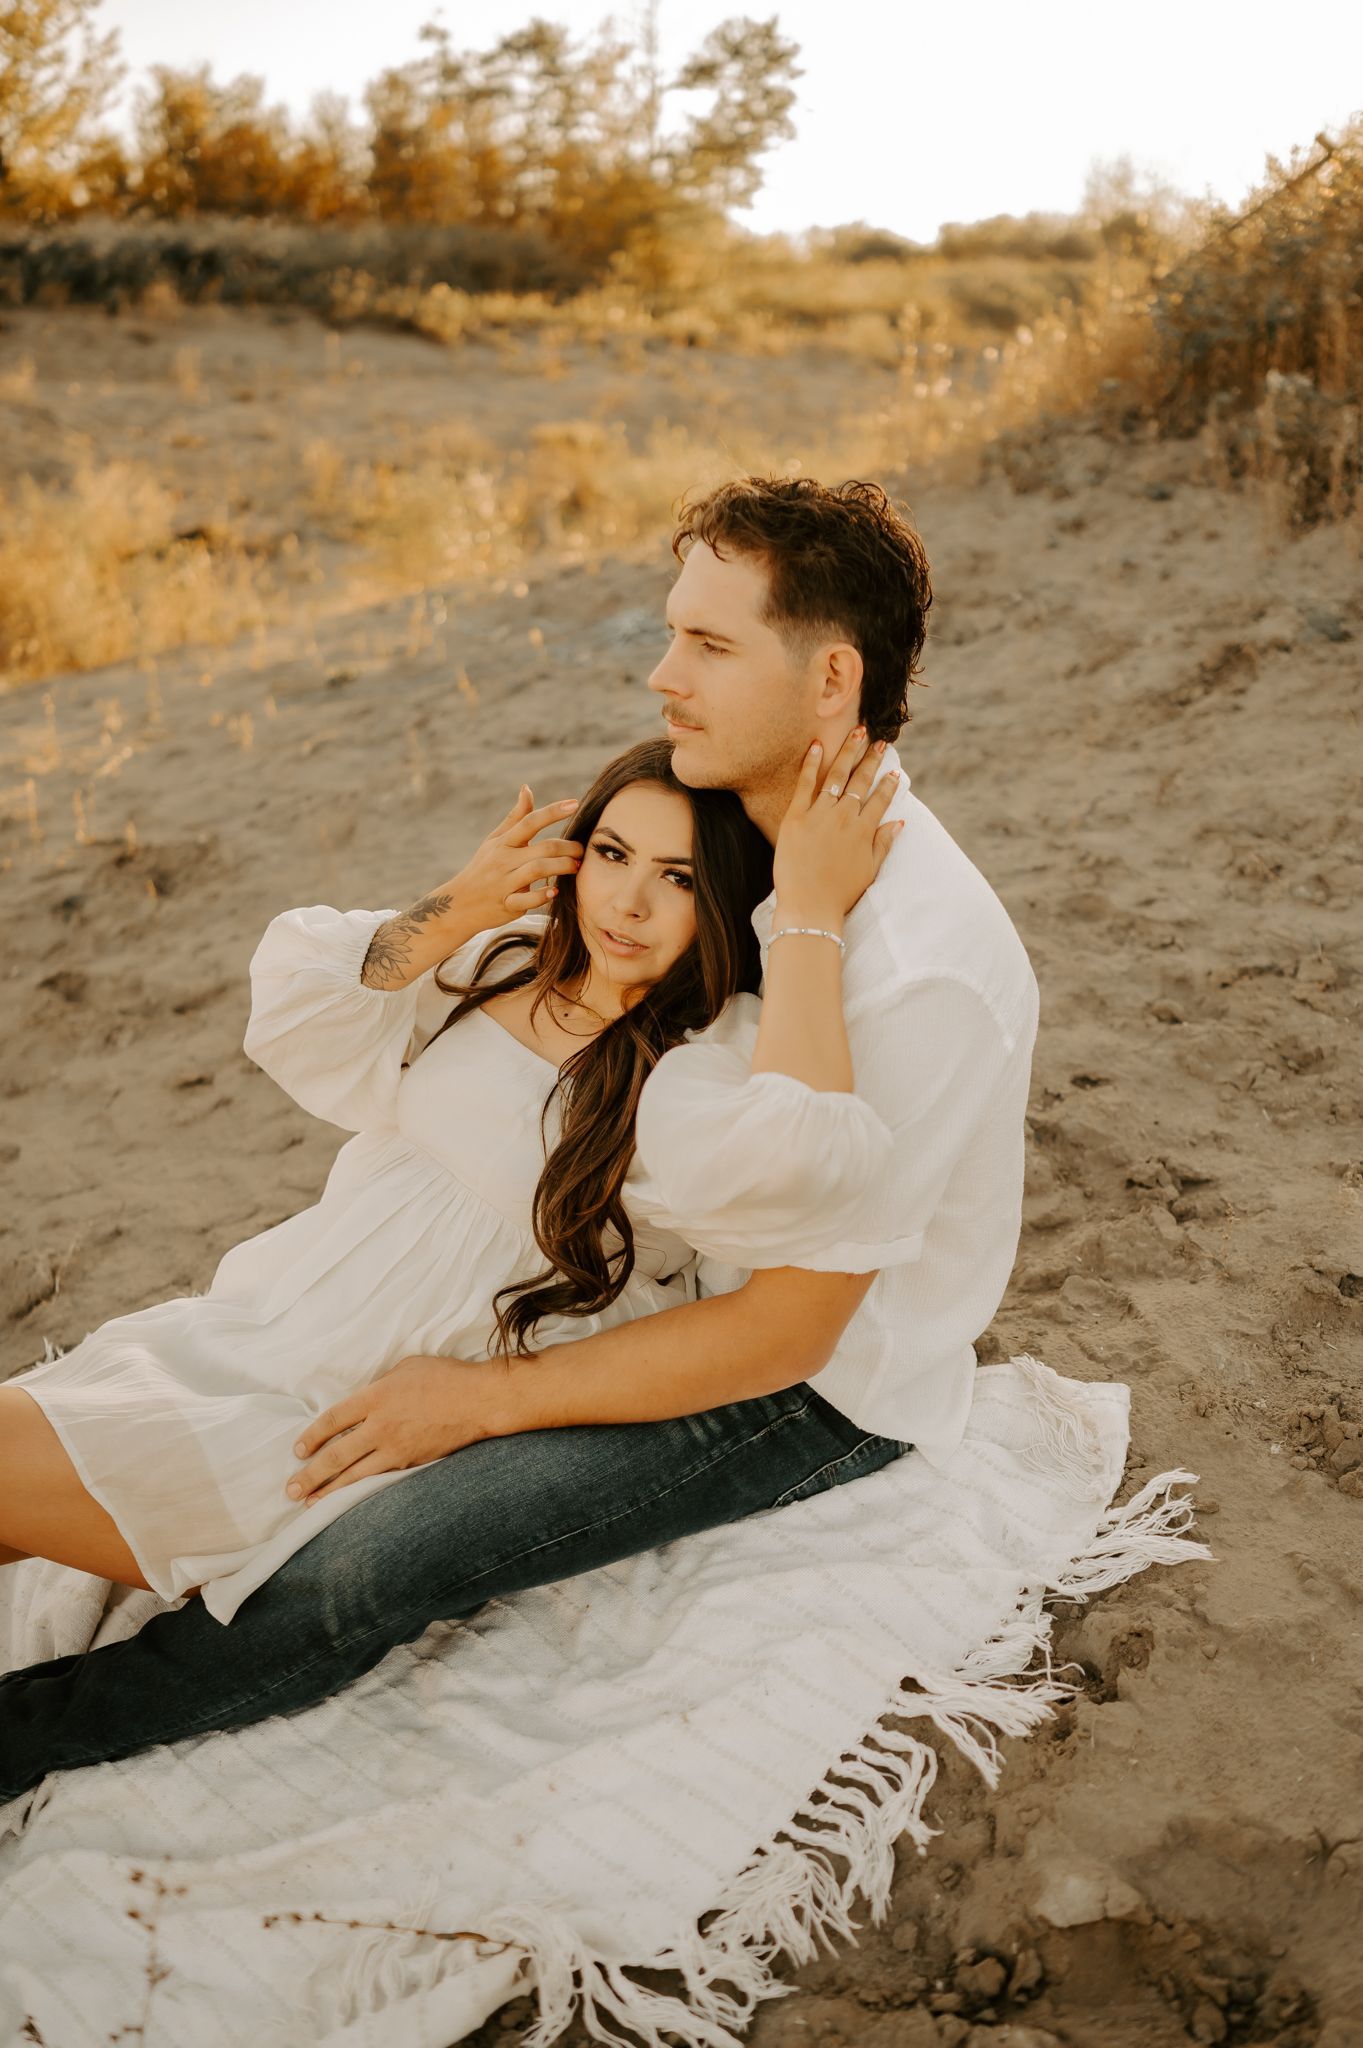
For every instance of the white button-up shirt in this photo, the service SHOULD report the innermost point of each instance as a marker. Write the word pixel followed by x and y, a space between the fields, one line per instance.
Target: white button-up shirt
pixel 942 1006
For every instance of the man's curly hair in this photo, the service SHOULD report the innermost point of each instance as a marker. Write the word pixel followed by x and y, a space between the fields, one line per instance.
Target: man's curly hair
pixel 842 562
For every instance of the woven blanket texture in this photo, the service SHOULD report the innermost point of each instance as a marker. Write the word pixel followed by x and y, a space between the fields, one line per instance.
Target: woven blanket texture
pixel 733 1728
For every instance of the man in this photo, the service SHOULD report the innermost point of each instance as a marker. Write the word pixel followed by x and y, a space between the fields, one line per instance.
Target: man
pixel 799 615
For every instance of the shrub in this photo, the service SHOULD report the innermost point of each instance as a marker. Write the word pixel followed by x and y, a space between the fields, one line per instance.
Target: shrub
pixel 1255 336
pixel 113 264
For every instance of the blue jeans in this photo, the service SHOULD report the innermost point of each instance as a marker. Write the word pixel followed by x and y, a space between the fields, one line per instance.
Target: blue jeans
pixel 487 1521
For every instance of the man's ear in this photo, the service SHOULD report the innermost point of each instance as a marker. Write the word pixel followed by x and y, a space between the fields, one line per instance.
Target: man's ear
pixel 840 688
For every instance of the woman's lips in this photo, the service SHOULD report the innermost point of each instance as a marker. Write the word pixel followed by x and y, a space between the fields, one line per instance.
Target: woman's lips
pixel 628 949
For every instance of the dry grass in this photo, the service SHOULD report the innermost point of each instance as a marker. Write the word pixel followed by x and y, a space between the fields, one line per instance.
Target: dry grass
pixel 761 296
pixel 95 572
pixel 581 484
pixel 103 567
pixel 16 385
pixel 1253 341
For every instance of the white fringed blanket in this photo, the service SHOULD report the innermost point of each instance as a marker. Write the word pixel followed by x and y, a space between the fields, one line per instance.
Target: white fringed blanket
pixel 562 1788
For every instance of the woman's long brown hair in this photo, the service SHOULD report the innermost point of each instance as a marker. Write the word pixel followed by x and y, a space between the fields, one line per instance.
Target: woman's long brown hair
pixel 580 1222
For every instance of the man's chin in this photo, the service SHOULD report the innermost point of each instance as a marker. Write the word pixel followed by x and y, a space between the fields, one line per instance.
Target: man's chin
pixel 689 761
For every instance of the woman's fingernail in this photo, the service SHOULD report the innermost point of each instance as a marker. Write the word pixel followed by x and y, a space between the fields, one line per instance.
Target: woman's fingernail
pixel 880 746
pixel 300 1450
pixel 815 748
pixel 294 1488
pixel 858 732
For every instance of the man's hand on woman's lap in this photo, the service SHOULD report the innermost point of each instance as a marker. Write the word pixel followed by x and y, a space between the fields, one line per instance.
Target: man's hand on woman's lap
pixel 421 1408
pixel 781 1326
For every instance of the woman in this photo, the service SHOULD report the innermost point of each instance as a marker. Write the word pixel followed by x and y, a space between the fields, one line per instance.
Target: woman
pixel 492 1194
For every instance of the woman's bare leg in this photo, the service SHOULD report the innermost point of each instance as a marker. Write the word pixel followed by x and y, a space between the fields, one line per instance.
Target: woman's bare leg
pixel 45 1511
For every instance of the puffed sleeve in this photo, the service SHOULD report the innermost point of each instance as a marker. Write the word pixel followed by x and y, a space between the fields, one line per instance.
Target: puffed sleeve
pixel 333 1043
pixel 758 1170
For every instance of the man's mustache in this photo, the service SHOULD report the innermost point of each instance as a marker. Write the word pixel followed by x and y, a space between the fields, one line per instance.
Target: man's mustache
pixel 672 719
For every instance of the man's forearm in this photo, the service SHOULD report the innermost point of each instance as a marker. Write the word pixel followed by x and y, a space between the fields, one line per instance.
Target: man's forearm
pixel 780 1327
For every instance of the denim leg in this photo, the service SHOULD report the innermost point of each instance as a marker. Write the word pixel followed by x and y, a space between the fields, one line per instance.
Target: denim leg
pixel 487 1521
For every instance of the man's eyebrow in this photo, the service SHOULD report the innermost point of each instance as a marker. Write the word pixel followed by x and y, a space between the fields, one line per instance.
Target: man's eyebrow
pixel 673 860
pixel 702 633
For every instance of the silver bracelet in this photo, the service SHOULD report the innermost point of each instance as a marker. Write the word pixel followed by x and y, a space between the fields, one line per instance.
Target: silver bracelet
pixel 806 931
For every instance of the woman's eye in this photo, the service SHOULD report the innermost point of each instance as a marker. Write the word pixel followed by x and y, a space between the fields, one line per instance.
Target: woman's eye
pixel 607 852
pixel 710 647
pixel 677 875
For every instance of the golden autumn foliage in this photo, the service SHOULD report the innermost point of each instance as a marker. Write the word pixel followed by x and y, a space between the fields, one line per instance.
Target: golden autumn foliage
pixel 535 133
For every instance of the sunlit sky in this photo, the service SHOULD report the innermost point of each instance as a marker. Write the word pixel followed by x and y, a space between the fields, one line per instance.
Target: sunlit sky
pixel 907 116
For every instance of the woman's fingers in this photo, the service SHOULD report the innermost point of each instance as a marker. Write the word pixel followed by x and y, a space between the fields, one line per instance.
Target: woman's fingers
pixel 528 884
pixel 534 897
pixel 844 762
pixel 881 797
pixel 521 830
pixel 537 875
pixel 524 800
pixel 549 863
pixel 885 838
pixel 546 850
pixel 864 774
pixel 807 781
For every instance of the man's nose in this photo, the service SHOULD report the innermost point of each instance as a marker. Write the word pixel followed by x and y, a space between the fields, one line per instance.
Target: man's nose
pixel 662 678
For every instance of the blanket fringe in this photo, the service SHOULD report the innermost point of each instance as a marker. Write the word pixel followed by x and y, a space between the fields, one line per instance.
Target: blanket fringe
pixel 1068 1446
pixel 790 1900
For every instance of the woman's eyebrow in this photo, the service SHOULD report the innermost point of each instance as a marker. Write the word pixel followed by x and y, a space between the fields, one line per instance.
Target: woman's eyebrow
pixel 671 860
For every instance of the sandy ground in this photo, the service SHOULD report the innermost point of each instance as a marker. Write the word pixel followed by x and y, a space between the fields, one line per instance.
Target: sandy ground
pixel 1143 725
pixel 228 403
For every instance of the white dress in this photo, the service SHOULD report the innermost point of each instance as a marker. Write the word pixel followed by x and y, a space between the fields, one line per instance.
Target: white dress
pixel 181 1418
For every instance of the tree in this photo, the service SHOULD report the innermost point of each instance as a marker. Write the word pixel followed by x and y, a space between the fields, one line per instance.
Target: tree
pixel 537 132
pixel 56 79
pixel 749 69
pixel 569 141
pixel 325 176
pixel 206 148
pixel 434 141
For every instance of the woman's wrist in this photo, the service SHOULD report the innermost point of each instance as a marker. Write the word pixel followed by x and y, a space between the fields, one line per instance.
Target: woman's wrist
pixel 407 946
pixel 804 911
pixel 459 916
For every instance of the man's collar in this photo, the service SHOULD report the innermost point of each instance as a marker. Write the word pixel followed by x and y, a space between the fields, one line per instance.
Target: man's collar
pixel 761 917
